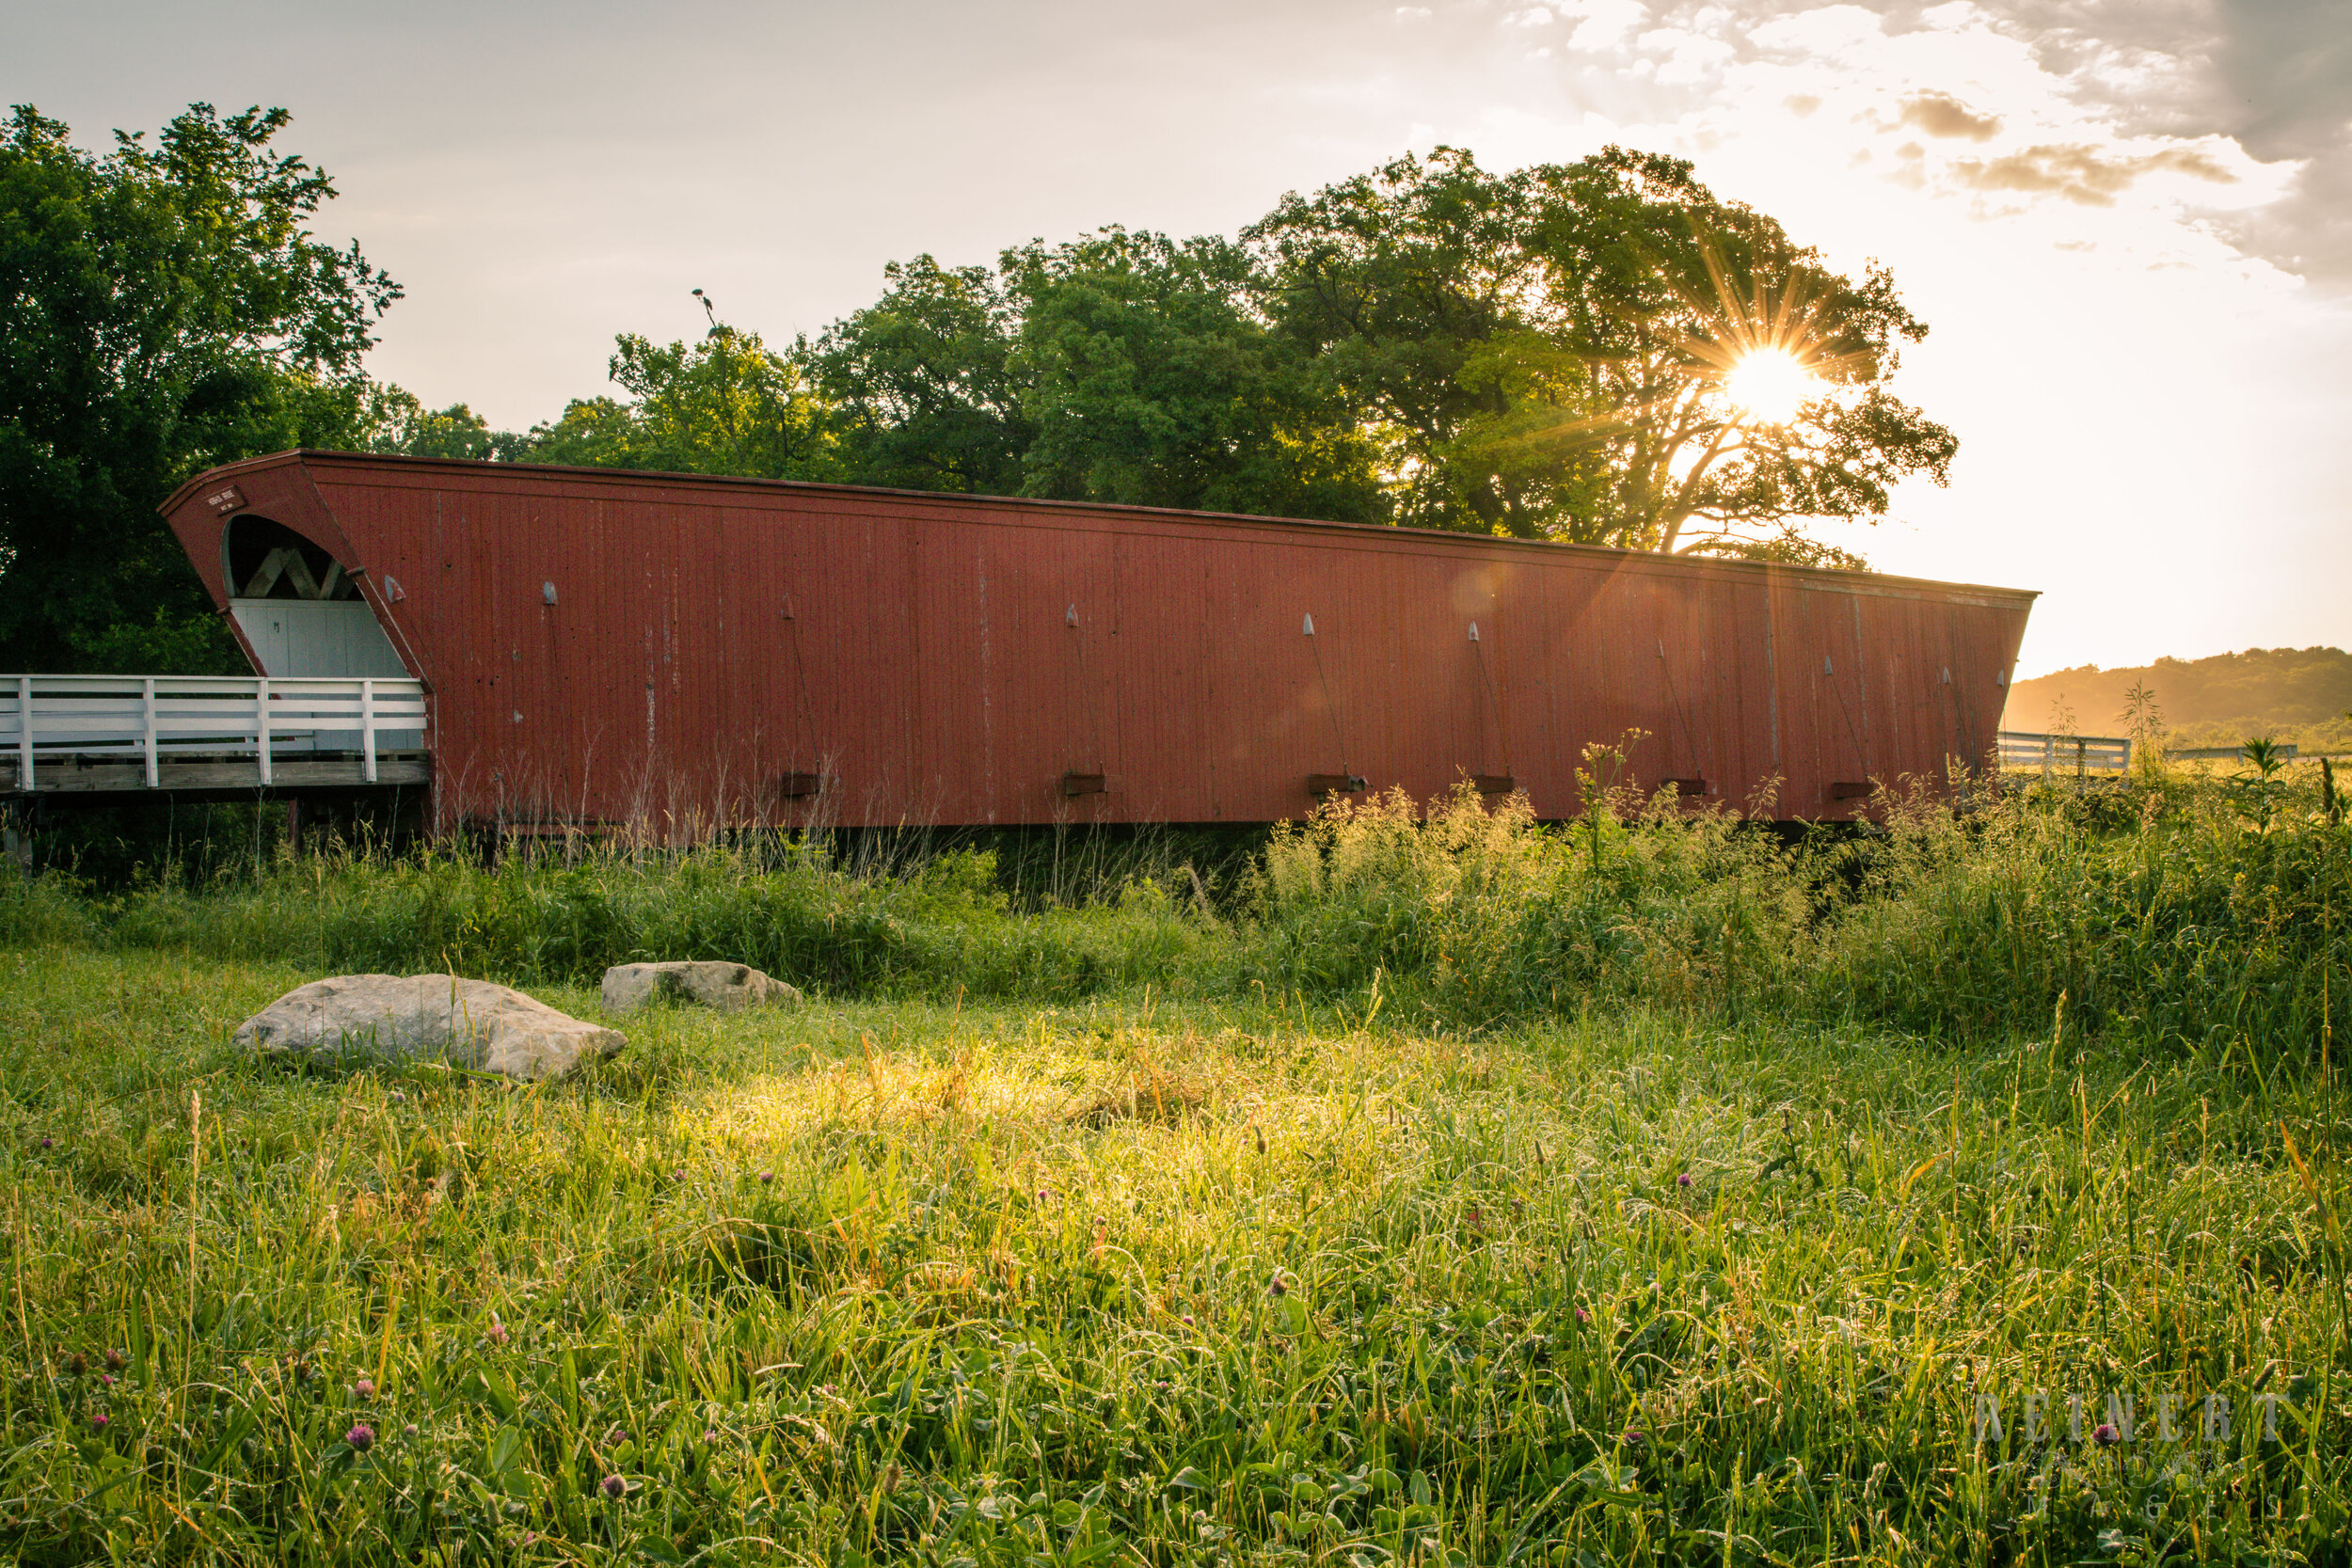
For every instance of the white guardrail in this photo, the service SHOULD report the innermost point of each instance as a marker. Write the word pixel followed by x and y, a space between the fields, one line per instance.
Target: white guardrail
pixel 2065 753
pixel 153 718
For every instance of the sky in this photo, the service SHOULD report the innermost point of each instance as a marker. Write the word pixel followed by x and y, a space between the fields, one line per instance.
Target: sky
pixel 2128 222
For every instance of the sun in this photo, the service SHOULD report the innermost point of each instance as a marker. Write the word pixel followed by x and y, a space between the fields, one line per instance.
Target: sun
pixel 1770 384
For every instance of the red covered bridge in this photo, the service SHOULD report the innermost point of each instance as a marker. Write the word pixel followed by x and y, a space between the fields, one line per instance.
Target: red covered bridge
pixel 681 651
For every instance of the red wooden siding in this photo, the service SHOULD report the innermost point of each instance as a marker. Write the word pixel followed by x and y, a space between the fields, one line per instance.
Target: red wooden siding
pixel 711 638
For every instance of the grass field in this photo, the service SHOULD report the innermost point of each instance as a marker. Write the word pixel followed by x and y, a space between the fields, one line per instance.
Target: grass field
pixel 1203 1270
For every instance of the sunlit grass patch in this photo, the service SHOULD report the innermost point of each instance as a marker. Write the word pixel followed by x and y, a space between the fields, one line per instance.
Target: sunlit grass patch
pixel 866 1280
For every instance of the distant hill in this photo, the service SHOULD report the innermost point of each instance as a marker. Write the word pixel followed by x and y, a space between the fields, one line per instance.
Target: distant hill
pixel 2288 693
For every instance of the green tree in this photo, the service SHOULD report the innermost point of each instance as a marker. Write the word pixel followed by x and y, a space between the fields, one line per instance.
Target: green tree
pixel 396 421
pixel 922 384
pixel 1150 380
pixel 723 403
pixel 1560 351
pixel 164 308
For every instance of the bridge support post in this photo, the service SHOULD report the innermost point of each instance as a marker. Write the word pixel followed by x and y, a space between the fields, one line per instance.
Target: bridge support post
pixel 367 728
pixel 147 730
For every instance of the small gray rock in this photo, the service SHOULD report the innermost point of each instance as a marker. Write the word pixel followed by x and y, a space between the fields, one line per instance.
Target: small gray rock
pixel 713 983
pixel 470 1023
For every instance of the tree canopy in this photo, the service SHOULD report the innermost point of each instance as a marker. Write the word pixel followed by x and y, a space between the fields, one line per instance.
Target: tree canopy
pixel 1551 353
pixel 164 308
pixel 1568 351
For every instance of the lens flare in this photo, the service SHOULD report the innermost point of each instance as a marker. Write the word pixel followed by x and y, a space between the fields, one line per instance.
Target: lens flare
pixel 1770 384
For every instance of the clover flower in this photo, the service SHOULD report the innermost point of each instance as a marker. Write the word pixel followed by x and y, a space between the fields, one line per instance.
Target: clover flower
pixel 361 1438
pixel 2103 1433
pixel 615 1486
pixel 363 1390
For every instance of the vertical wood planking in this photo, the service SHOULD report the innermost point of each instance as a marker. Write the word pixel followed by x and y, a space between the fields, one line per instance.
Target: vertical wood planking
pixel 926 671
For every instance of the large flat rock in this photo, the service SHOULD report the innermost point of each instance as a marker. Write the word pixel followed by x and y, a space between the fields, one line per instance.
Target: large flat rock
pixel 711 983
pixel 470 1023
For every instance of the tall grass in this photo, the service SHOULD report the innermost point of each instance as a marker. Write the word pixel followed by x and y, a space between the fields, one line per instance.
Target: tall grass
pixel 862 1285
pixel 2184 911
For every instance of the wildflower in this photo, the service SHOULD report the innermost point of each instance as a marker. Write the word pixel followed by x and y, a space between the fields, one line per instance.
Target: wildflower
pixel 766 1177
pixel 409 1431
pixel 398 1097
pixel 107 1378
pixel 364 1389
pixel 1276 1286
pixel 361 1438
pixel 1634 1435
pixel 113 1361
pixel 1683 1179
pixel 48 1142
pixel 1582 1316
pixel 496 1333
pixel 615 1486
pixel 2103 1433
pixel 77 1363
pixel 98 1423
pixel 1188 1320
pixel 710 1435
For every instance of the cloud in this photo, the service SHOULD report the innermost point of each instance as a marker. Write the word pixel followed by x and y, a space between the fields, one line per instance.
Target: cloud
pixel 1939 114
pixel 2082 173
